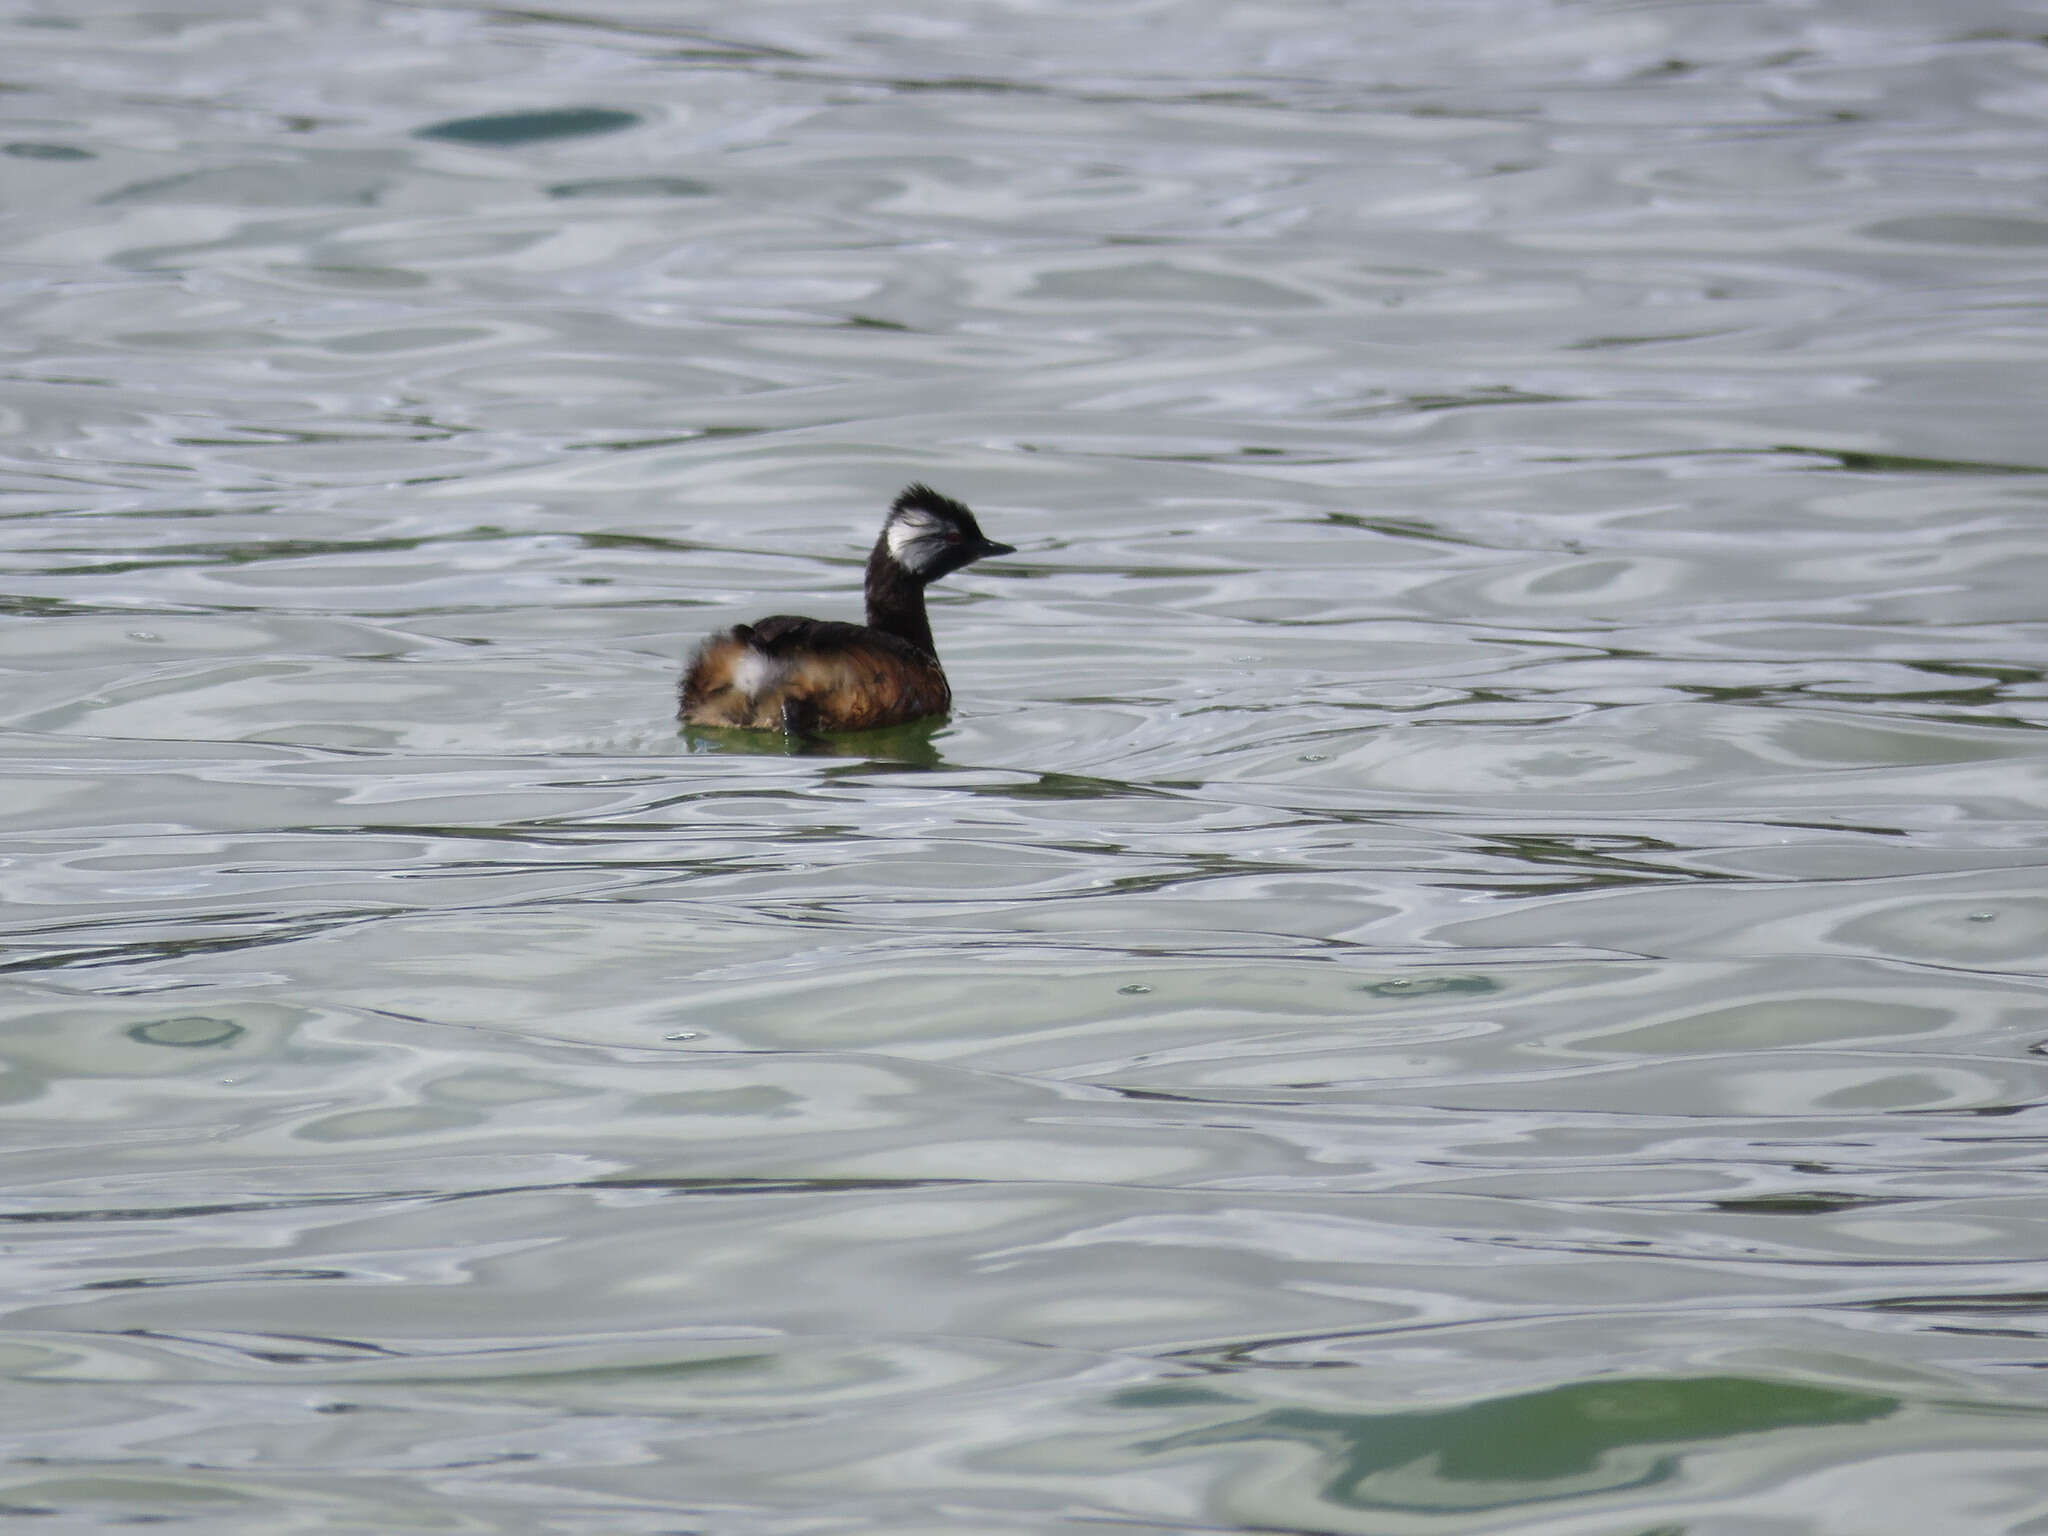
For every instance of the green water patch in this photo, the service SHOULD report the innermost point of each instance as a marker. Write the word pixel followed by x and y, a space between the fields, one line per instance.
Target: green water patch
pixel 1564 1442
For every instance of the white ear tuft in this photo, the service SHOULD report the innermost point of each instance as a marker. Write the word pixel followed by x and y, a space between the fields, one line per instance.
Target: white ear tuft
pixel 906 529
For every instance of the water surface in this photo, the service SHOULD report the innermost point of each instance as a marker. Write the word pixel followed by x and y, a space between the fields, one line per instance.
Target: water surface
pixel 1470 958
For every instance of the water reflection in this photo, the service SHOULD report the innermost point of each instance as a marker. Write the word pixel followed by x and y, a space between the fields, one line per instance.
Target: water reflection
pixel 903 746
pixel 1475 949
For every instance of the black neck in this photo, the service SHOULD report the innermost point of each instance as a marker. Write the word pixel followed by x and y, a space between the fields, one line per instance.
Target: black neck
pixel 896 601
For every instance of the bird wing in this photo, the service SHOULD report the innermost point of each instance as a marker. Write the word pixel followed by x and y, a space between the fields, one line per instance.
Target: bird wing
pixel 827 674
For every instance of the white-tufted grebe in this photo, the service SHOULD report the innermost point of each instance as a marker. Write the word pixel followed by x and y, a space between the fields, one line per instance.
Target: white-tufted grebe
pixel 811 676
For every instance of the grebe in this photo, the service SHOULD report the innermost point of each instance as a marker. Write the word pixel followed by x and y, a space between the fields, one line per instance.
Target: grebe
pixel 811 676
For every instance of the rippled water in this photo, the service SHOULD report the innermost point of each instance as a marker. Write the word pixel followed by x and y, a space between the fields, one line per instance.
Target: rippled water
pixel 1471 958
